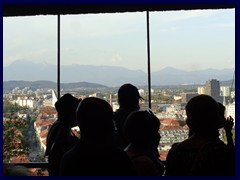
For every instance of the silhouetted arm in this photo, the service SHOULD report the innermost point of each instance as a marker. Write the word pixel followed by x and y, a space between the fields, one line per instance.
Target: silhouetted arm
pixel 228 130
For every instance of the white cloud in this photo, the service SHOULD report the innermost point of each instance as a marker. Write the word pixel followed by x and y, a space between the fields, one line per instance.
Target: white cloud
pixel 116 59
pixel 172 16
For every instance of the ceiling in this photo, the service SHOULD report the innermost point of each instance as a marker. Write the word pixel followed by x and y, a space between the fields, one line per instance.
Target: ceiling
pixel 63 9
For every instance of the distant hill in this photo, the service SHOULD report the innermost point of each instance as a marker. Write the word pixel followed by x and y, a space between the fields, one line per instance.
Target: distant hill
pixel 9 85
pixel 179 77
pixel 110 75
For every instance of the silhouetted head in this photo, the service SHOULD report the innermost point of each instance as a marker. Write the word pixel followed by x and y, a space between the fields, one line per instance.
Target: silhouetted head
pixel 66 107
pixel 203 115
pixel 141 128
pixel 128 97
pixel 94 117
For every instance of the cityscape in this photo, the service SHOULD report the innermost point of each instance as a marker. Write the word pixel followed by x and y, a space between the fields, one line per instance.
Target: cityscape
pixel 35 109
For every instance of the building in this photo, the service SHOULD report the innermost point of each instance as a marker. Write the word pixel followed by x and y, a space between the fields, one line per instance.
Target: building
pixel 176 98
pixel 225 91
pixel 213 89
pixel 30 103
pixel 54 98
pixel 141 92
pixel 174 108
pixel 201 90
pixel 41 127
pixel 187 96
pixel 230 110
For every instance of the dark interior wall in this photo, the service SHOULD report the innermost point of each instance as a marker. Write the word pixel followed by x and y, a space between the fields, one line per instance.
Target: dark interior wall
pixel 54 9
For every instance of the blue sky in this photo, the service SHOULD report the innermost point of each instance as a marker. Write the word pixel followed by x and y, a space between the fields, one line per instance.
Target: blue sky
pixel 188 40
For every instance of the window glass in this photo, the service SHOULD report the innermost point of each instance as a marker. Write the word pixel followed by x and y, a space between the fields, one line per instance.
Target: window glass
pixel 29 75
pixel 105 50
pixel 188 48
pixel 99 53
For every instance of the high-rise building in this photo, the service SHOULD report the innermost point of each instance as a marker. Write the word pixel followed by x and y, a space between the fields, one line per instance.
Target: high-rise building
pixel 187 96
pixel 201 90
pixel 212 88
pixel 225 91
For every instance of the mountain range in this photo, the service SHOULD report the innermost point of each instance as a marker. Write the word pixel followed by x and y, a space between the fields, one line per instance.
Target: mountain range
pixel 109 75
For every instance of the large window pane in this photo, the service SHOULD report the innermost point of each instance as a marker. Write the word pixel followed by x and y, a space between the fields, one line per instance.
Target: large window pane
pixel 106 49
pixel 29 75
pixel 189 48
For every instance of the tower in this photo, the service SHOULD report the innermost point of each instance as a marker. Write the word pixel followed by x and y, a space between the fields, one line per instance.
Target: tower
pixel 54 98
pixel 212 88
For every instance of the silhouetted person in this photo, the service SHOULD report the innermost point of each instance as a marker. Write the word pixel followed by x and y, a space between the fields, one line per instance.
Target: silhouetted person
pixel 95 154
pixel 60 137
pixel 203 153
pixel 128 100
pixel 142 131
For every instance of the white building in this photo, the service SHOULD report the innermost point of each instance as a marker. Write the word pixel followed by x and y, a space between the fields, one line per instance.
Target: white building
pixel 141 92
pixel 115 106
pixel 225 91
pixel 230 110
pixel 54 98
pixel 173 108
pixel 31 103
pixel 201 90
pixel 177 97
pixel 232 94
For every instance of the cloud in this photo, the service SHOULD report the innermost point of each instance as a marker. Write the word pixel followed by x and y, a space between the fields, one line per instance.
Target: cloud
pixel 116 59
pixel 172 16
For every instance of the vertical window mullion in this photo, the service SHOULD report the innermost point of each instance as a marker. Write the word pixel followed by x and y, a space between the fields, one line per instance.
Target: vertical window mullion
pixel 58 56
pixel 148 61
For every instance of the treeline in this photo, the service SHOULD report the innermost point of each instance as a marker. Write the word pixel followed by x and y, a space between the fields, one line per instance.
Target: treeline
pixel 34 85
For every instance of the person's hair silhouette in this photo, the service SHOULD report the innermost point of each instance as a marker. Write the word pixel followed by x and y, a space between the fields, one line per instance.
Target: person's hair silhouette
pixel 203 153
pixel 142 131
pixel 60 137
pixel 128 100
pixel 95 153
pixel 128 97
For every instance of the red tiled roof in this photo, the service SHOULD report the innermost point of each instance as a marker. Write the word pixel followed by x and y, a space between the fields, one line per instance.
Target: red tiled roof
pixel 170 128
pixel 48 110
pixel 20 158
pixel 44 122
pixel 170 121
pixel 185 126
pixel 163 155
pixel 44 133
pixel 44 141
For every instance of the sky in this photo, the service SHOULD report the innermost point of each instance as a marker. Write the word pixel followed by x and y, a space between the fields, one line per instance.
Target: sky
pixel 188 40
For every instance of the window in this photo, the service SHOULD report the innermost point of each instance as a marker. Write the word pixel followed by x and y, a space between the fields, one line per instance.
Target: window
pixel 29 67
pixel 107 50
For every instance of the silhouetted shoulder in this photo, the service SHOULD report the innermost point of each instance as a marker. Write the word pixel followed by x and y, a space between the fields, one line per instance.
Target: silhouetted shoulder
pixel 96 160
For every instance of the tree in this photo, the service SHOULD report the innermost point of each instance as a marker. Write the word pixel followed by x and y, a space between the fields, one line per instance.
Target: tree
pixel 14 138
